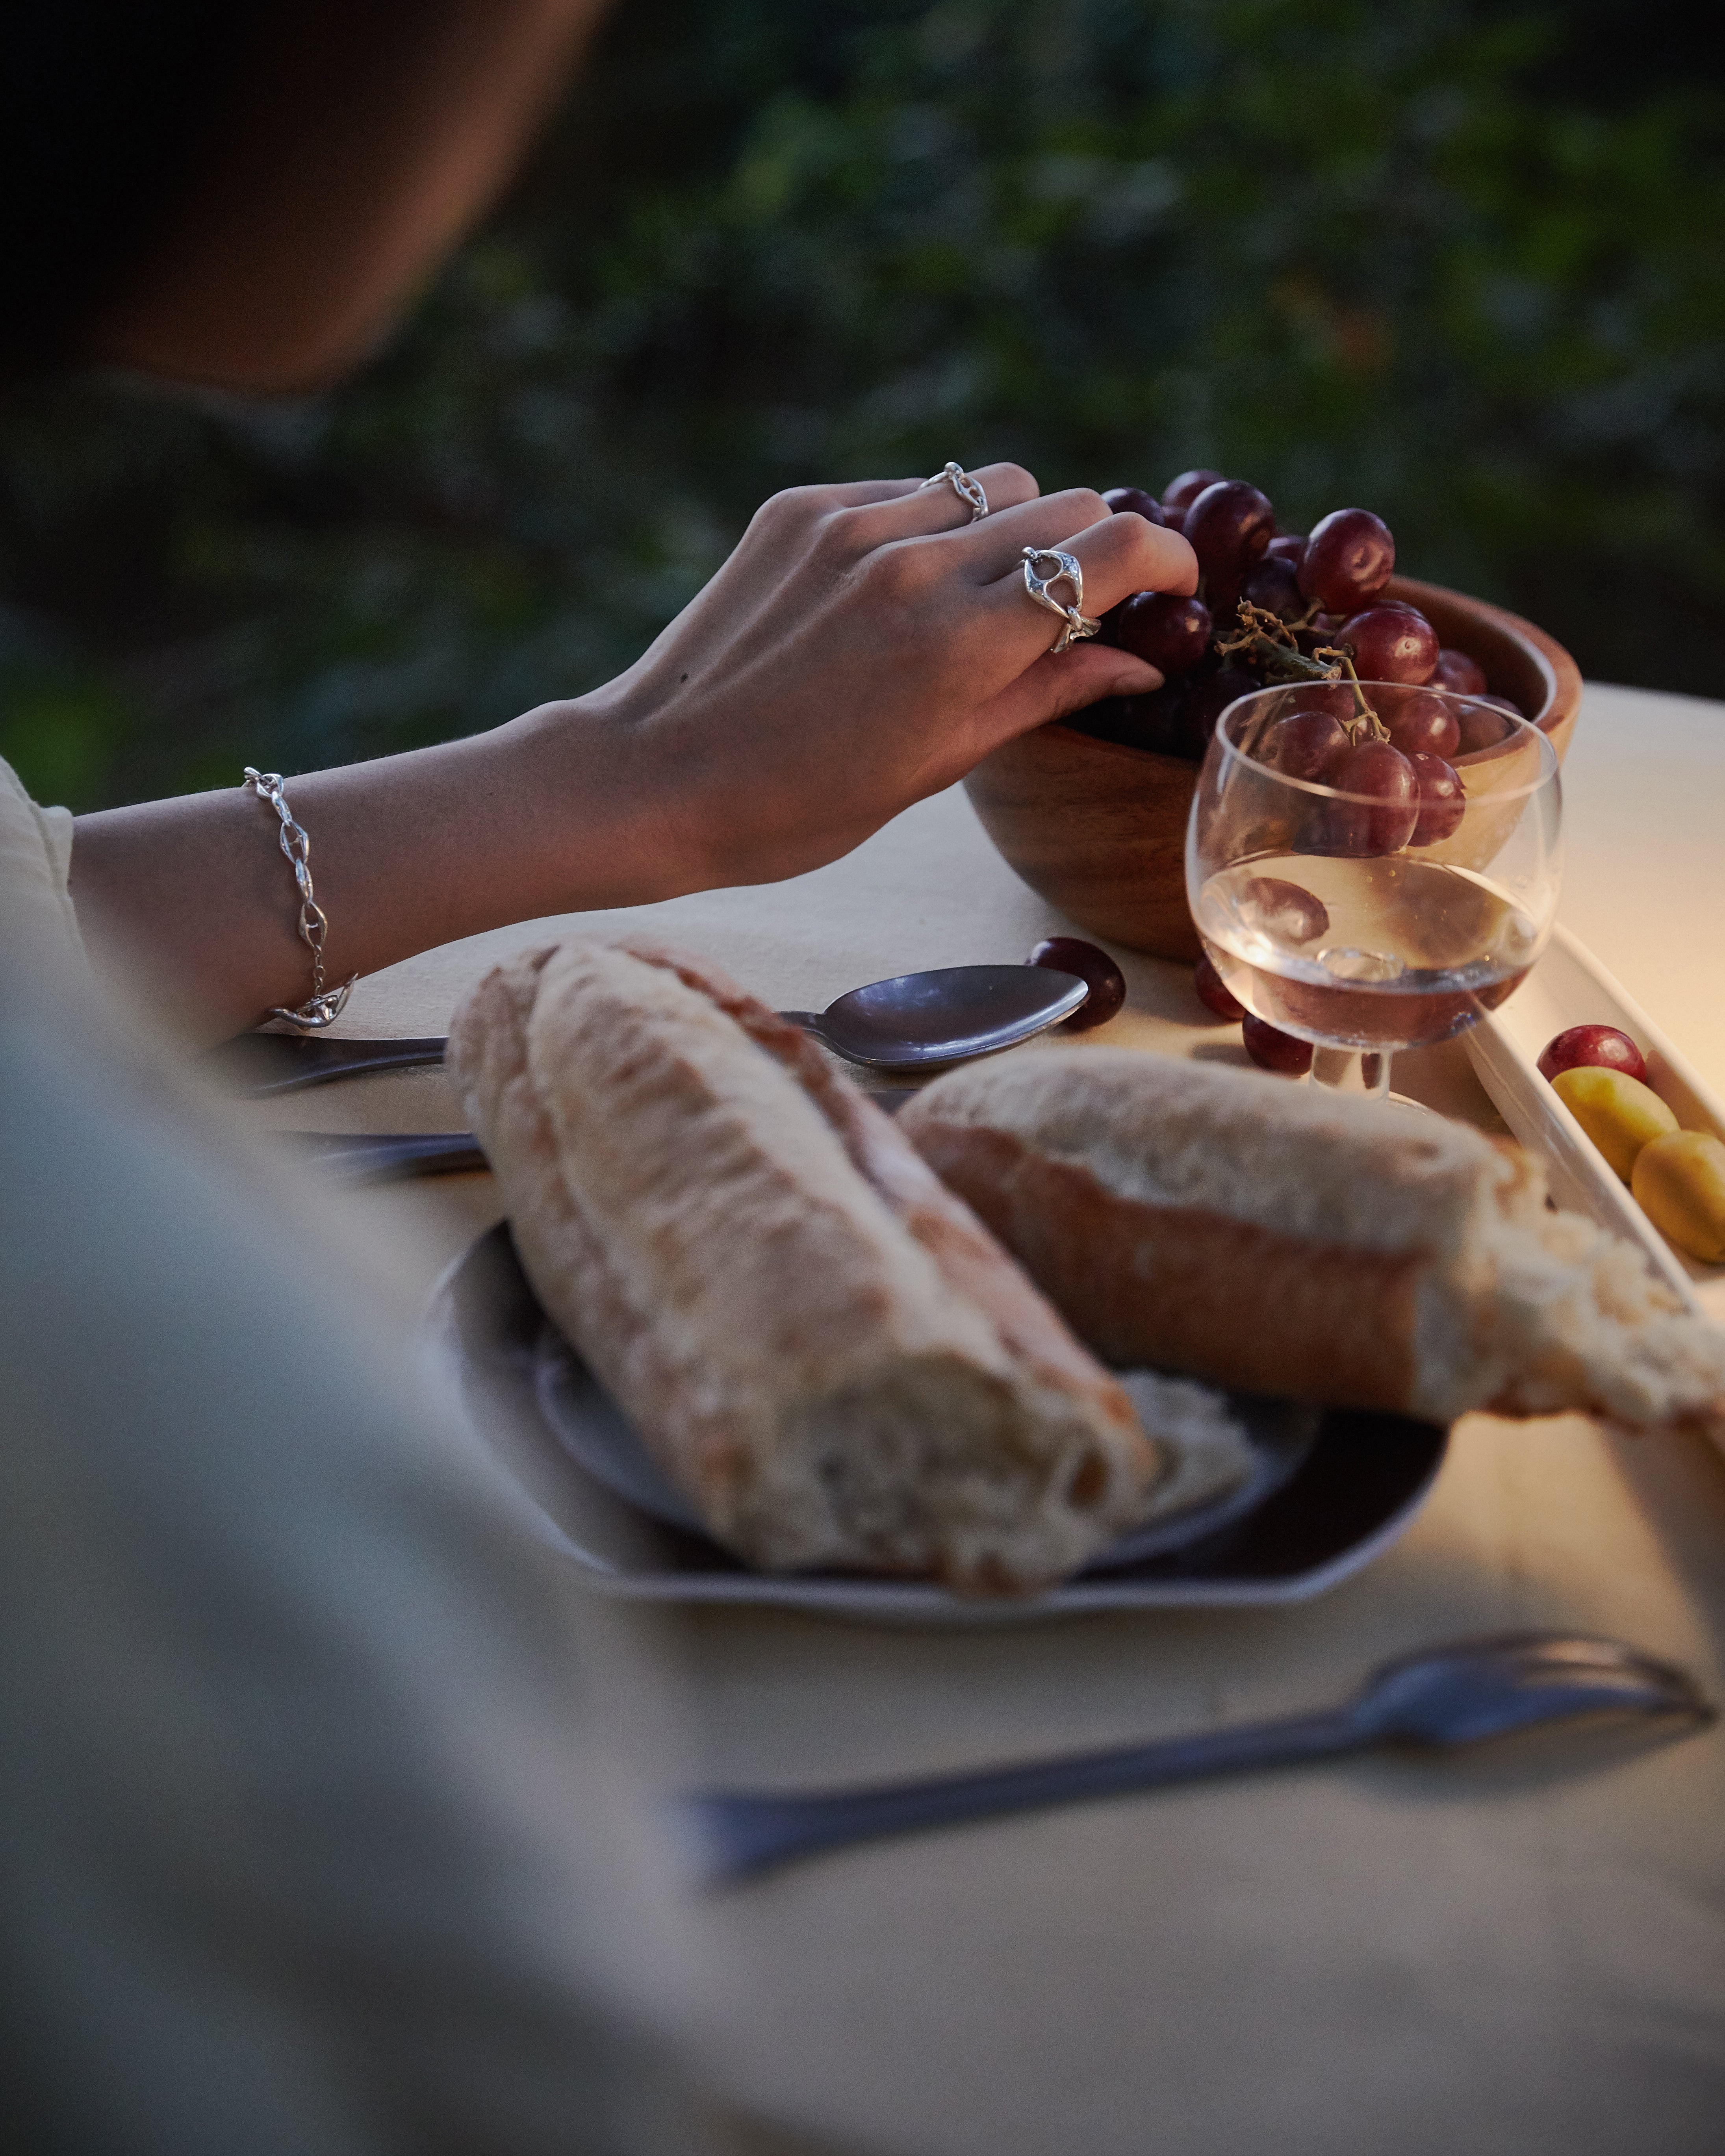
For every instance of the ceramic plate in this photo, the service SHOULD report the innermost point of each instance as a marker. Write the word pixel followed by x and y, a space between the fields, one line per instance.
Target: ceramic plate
pixel 1316 1498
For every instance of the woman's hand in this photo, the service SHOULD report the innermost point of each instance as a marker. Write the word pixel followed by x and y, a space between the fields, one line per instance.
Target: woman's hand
pixel 866 645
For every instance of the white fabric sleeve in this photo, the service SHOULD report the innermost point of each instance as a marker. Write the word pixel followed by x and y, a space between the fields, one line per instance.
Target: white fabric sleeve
pixel 314 1830
pixel 35 872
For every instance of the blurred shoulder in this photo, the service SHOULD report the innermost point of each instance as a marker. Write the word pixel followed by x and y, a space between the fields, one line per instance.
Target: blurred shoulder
pixel 35 871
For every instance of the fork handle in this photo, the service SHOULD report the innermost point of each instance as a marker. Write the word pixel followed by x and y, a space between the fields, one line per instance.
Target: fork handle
pixel 737 1832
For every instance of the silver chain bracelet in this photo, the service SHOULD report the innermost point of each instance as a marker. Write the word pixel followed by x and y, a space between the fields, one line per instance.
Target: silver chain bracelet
pixel 323 1006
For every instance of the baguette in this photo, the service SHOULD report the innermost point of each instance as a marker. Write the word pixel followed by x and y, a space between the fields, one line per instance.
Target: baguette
pixel 817 1344
pixel 1299 1242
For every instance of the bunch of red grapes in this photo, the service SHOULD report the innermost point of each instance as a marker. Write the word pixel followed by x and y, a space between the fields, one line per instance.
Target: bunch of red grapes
pixel 1324 590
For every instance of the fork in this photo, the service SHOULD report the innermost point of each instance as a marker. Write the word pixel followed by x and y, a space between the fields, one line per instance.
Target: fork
pixel 1456 1695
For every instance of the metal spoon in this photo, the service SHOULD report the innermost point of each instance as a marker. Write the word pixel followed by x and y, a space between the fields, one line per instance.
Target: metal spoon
pixel 905 1023
pixel 916 1019
pixel 1454 1695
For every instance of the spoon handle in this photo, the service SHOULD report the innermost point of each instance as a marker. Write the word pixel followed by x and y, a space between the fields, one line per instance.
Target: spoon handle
pixel 737 1832
pixel 387 1156
pixel 262 1064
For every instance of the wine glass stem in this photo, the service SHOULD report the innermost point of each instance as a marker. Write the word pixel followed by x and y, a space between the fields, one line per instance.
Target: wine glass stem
pixel 1344 1070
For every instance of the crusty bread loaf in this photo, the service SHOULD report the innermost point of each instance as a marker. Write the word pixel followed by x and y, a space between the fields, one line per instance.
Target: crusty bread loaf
pixel 1301 1242
pixel 817 1341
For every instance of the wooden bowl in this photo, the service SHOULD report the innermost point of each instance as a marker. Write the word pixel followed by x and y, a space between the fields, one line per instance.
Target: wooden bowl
pixel 1099 830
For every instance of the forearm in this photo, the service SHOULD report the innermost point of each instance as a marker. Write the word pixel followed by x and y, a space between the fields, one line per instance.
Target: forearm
pixel 864 645
pixel 553 812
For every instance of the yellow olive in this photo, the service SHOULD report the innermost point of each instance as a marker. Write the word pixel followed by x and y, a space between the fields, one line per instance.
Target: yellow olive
pixel 1679 1184
pixel 1619 1113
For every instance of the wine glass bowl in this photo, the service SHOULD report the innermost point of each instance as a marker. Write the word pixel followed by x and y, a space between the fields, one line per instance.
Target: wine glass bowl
pixel 1098 828
pixel 1389 902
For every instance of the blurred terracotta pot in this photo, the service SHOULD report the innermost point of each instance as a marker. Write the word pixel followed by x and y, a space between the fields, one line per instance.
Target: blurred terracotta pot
pixel 1099 830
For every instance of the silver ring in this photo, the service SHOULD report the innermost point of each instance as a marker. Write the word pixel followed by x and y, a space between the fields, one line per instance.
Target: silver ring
pixel 1067 570
pixel 967 488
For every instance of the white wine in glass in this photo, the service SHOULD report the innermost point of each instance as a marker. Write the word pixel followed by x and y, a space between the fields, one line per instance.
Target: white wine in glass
pixel 1363 898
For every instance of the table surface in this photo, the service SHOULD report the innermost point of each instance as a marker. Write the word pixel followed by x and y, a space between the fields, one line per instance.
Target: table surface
pixel 1511 1952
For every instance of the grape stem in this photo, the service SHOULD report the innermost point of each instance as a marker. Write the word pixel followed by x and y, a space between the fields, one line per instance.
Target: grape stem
pixel 1366 724
pixel 1267 641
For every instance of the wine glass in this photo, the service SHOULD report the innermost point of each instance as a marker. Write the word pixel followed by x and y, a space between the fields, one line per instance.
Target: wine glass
pixel 1371 865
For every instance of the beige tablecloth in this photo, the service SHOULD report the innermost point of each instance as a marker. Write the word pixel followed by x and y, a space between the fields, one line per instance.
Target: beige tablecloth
pixel 1500 1953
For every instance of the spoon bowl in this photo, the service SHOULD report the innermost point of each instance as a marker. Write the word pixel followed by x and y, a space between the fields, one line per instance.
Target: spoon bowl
pixel 916 1019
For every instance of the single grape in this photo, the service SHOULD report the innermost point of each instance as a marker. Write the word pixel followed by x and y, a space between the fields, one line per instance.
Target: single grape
pixel 1481 720
pixel 1071 954
pixel 1208 697
pixel 1228 528
pixel 1349 560
pixel 1152 721
pixel 1319 634
pixel 1214 993
pixel 1168 632
pixel 1283 909
pixel 1455 669
pixel 1604 1047
pixel 1418 720
pixel 1391 644
pixel 1305 744
pixel 1102 721
pixel 1443 802
pixel 1135 499
pixel 1271 1051
pixel 1382 822
pixel 1179 494
pixel 1287 546
pixel 1274 585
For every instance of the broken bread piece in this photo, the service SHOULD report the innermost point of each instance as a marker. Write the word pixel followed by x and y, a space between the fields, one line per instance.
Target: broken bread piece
pixel 1297 1241
pixel 817 1342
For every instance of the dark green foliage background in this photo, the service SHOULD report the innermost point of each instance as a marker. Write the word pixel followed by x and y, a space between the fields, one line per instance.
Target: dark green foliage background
pixel 1462 263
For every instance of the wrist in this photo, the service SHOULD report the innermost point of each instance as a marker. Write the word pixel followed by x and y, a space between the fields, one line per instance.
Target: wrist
pixel 607 821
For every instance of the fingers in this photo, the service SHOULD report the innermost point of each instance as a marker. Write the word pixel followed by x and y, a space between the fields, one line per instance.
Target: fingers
pixel 1122 554
pixel 928 510
pixel 858 493
pixel 1116 556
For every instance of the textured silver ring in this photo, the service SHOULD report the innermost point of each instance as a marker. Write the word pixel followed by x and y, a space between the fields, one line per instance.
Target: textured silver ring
pixel 968 491
pixel 1067 570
